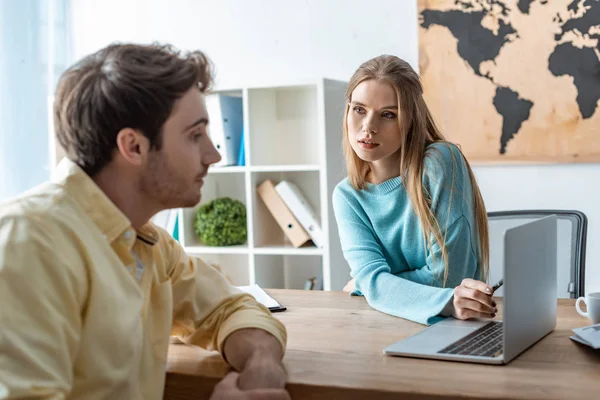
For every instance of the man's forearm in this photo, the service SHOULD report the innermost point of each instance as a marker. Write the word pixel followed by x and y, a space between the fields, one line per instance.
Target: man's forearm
pixel 244 344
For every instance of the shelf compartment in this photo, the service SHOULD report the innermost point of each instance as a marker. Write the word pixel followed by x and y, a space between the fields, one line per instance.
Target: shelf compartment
pixel 271 234
pixel 284 125
pixel 215 186
pixel 287 271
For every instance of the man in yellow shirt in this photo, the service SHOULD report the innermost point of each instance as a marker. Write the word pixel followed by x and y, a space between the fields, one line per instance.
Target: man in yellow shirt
pixel 90 291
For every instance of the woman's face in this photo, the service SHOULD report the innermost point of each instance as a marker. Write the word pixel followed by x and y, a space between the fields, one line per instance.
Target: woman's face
pixel 373 125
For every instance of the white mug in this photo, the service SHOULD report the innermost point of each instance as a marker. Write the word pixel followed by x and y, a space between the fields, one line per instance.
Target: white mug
pixel 592 301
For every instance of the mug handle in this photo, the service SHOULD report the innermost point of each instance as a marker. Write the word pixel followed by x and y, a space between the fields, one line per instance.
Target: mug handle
pixel 579 300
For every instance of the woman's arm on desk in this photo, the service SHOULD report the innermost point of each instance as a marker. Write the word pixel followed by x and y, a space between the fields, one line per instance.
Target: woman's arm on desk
pixel 416 295
pixel 472 298
pixel 373 277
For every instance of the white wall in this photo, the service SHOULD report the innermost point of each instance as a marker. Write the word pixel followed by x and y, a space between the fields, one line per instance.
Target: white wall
pixel 550 186
pixel 261 41
pixel 256 40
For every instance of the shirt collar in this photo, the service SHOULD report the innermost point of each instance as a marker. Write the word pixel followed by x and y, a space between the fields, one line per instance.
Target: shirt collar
pixel 104 213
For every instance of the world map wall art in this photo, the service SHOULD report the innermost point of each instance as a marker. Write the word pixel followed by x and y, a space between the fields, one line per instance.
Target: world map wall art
pixel 514 81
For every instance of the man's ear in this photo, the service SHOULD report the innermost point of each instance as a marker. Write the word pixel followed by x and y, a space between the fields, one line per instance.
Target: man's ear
pixel 133 145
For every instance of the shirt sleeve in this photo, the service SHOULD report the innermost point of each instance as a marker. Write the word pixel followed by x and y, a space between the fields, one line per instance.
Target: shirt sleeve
pixel 40 296
pixel 207 309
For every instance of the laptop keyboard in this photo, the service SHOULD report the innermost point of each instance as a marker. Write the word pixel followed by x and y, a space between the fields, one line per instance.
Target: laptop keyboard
pixel 484 342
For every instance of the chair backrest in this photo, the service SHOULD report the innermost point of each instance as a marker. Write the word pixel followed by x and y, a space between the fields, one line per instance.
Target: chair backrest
pixel 572 233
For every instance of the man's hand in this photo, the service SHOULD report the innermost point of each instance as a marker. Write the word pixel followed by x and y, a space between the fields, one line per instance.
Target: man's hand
pixel 228 389
pixel 262 371
pixel 473 299
pixel 257 355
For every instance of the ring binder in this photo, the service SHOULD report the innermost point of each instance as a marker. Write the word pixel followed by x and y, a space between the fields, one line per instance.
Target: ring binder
pixel 282 214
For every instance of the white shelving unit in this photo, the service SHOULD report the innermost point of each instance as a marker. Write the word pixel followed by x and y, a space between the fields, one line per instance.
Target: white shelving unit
pixel 292 132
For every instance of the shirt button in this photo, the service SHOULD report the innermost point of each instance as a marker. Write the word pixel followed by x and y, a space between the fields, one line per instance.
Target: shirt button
pixel 127 235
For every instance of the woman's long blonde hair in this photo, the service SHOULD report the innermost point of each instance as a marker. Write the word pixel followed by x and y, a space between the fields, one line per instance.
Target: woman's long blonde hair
pixel 418 131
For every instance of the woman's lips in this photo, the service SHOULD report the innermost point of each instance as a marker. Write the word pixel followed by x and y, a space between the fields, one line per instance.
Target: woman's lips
pixel 367 145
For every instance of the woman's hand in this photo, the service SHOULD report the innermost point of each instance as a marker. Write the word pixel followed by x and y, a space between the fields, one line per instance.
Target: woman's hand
pixel 349 286
pixel 473 299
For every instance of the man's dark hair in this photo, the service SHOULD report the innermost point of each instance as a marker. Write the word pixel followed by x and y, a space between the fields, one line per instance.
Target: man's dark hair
pixel 122 86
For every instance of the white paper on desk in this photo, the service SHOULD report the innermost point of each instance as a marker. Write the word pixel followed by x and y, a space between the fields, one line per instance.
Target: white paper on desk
pixel 576 338
pixel 260 295
pixel 588 335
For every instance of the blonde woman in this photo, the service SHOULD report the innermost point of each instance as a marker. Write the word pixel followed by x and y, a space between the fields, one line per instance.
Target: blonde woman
pixel 411 219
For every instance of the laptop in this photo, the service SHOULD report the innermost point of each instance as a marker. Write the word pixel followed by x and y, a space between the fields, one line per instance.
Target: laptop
pixel 530 294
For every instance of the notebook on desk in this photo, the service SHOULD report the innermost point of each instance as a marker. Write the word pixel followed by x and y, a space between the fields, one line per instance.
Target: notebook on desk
pixel 262 297
pixel 588 335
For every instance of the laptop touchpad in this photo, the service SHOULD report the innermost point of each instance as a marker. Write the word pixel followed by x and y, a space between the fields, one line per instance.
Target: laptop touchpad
pixel 438 336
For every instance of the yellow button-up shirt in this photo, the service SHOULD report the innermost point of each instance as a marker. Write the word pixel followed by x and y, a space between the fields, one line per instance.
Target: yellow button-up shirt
pixel 75 323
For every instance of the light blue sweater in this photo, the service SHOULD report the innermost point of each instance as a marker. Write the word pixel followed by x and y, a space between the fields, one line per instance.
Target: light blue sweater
pixel 382 239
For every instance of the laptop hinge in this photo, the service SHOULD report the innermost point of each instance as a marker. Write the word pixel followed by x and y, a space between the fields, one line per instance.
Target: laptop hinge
pixel 571 287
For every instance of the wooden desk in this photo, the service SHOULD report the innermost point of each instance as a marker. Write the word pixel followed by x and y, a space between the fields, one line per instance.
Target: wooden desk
pixel 335 345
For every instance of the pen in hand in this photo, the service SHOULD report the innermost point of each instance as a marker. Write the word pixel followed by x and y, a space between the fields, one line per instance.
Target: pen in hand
pixel 494 288
pixel 497 285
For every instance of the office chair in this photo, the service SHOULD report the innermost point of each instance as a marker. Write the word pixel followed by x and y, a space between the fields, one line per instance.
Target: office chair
pixel 572 234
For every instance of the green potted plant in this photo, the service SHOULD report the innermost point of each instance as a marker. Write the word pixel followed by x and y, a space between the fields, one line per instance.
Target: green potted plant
pixel 222 222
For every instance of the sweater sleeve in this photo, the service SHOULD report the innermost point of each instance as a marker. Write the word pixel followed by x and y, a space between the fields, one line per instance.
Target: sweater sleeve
pixel 446 181
pixel 384 291
pixel 461 258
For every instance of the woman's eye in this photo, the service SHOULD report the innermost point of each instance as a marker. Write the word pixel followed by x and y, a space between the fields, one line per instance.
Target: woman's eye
pixel 389 115
pixel 358 110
